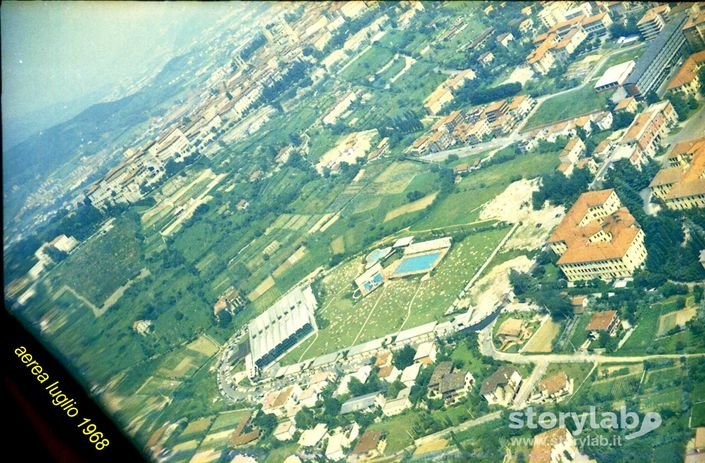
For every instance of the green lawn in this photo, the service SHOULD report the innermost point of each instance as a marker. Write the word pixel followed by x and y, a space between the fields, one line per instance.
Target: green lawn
pixel 367 64
pixel 398 430
pixel 344 322
pixel 568 105
pixel 464 205
pixel 698 415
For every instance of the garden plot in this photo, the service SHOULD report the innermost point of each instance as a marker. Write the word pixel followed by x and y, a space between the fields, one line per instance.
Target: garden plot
pixel 396 177
pixel 542 340
pixel 671 320
pixel 414 206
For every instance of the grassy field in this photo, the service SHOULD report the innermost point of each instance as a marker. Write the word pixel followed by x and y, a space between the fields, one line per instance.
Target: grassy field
pixel 464 205
pixel 398 430
pixel 399 303
pixel 367 64
pixel 572 104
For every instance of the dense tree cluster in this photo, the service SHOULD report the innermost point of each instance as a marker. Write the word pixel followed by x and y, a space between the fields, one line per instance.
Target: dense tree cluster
pixel 558 189
pixel 669 254
pixel 478 95
pixel 252 46
pixel 293 76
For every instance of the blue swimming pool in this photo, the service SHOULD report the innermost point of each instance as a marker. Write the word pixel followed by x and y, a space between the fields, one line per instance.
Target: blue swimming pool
pixel 416 264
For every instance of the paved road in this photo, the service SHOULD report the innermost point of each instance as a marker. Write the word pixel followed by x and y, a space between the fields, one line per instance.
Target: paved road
pixel 487 348
pixel 529 384
pixel 459 427
pixel 693 128
pixel 516 135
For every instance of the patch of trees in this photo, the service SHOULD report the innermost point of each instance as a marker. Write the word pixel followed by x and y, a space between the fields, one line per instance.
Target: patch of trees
pixel 558 189
pixel 295 75
pixel 414 195
pixel 477 95
pixel 682 105
pixel 622 119
pixel 669 256
pixel 252 46
pixel 349 28
pixel 402 123
pixel 624 29
pixel 404 357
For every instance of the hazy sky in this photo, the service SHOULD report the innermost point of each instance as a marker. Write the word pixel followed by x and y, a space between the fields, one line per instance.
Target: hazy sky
pixel 55 52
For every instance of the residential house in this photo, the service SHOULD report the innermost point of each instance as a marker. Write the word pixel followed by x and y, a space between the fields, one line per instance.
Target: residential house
pixel 340 440
pixel 573 150
pixel 694 30
pixel 628 104
pixel 308 397
pixel 434 383
pixel 409 374
pixel 556 387
pixel 649 129
pixel 501 387
pixel 486 58
pixel 526 27
pixel 389 373
pixel 311 437
pixel 283 403
pixel 603 120
pixel 505 38
pixel 555 446
pixel 285 430
pixel 603 321
pixel 511 331
pixel 426 353
pixel 686 80
pixel 579 304
pixel 587 163
pixel 398 404
pixel 371 445
pixel 363 403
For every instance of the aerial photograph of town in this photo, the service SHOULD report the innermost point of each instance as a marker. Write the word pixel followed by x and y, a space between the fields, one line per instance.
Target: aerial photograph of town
pixel 364 231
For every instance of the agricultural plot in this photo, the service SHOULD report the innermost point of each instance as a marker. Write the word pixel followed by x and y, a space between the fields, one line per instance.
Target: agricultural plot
pixel 396 177
pixel 229 419
pixel 156 386
pixel 196 427
pixel 672 320
pixel 103 264
pixel 414 206
pixel 398 430
pixel 183 363
pixel 542 340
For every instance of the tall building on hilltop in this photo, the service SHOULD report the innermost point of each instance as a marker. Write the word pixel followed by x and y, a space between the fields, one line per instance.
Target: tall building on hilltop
pixel 598 238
